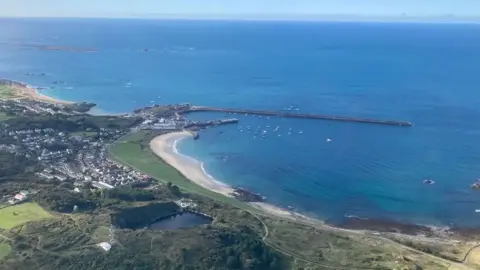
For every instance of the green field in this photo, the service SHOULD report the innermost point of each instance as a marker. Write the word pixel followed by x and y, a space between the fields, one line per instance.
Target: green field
pixel 5 249
pixel 133 150
pixel 6 92
pixel 101 234
pixel 12 216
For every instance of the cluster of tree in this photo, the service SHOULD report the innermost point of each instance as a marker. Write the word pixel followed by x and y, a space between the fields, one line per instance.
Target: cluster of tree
pixel 114 122
pixel 72 123
pixel 63 200
pixel 128 193
pixel 79 107
pixel 174 190
pixel 199 248
pixel 244 250
pixel 12 164
pixel 57 122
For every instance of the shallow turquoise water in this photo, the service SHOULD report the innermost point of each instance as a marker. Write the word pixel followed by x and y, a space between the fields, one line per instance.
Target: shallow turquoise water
pixel 426 74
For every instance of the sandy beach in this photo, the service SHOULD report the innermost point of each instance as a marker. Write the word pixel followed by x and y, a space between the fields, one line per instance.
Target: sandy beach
pixel 164 147
pixel 34 94
pixel 23 91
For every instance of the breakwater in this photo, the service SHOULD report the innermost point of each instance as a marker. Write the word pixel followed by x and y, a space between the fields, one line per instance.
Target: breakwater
pixel 300 115
pixel 212 123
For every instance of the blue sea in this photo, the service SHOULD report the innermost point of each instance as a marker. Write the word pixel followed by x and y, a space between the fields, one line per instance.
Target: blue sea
pixel 424 73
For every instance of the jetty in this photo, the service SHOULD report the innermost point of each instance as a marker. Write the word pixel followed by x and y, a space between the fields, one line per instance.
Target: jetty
pixel 202 124
pixel 298 115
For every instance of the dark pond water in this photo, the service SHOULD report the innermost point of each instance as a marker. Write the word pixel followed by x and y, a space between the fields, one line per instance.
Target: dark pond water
pixel 185 220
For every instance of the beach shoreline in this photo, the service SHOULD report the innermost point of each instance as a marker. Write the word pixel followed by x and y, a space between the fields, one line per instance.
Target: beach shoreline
pixel 165 147
pixel 24 91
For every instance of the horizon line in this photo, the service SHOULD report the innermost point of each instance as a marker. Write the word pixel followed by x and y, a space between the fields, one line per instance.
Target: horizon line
pixel 445 19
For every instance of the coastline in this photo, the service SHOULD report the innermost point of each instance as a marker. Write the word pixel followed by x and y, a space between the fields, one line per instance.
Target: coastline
pixel 25 91
pixel 165 147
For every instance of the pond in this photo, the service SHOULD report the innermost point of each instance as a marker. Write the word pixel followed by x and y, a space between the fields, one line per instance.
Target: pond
pixel 180 221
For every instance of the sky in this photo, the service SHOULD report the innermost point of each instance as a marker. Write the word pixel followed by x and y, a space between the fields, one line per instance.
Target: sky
pixel 246 9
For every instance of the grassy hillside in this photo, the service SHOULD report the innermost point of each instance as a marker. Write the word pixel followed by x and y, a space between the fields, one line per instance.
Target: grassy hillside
pixel 133 150
pixel 309 246
pixel 12 216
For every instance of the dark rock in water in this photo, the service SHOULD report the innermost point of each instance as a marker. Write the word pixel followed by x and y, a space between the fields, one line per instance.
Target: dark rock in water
pixel 383 225
pixel 80 106
pixel 196 129
pixel 468 232
pixel 247 196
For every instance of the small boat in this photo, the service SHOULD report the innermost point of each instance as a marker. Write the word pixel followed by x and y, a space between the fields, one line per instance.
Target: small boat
pixel 476 185
pixel 329 140
pixel 477 210
pixel 429 182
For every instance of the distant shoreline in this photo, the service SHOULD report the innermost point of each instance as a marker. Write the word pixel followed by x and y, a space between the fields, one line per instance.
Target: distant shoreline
pixel 24 91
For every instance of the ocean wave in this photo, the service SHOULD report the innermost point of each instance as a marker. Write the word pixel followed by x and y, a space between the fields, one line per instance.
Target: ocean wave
pixel 201 164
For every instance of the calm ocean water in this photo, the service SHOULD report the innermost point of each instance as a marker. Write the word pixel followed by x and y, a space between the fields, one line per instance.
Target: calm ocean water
pixel 423 73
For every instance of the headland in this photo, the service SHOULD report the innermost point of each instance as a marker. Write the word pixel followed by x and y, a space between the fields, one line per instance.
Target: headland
pixel 14 90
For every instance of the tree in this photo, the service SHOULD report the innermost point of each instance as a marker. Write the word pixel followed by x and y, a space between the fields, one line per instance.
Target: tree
pixel 233 262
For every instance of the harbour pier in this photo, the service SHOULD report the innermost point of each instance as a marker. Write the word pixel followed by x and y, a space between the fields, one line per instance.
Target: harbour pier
pixel 299 115
pixel 203 124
